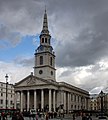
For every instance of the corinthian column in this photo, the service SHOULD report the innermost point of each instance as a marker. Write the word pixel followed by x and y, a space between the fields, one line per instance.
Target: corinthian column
pixel 15 100
pixel 42 99
pixel 68 102
pixel 49 100
pixel 35 99
pixel 64 100
pixel 28 100
pixel 54 100
pixel 21 101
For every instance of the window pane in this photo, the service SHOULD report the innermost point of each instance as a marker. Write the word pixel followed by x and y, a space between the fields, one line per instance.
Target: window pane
pixel 41 60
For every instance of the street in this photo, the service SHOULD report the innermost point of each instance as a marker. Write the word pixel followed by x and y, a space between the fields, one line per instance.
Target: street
pixel 68 117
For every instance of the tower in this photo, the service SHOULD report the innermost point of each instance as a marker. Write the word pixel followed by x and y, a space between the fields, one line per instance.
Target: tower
pixel 44 54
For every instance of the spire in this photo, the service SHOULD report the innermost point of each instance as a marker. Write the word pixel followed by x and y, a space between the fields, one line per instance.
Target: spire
pixel 45 24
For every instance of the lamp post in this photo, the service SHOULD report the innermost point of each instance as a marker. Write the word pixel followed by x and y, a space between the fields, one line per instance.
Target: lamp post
pixel 6 88
pixel 101 97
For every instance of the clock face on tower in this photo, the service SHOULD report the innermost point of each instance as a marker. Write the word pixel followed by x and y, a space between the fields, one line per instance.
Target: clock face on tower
pixel 40 71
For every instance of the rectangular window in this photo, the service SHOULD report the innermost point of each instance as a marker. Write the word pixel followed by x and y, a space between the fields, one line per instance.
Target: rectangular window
pixel 11 102
pixel 74 97
pixel 1 101
pixel 7 101
pixel 1 94
pixel 51 61
pixel 45 40
pixel 71 97
pixel 42 40
pixel 78 98
pixel 41 60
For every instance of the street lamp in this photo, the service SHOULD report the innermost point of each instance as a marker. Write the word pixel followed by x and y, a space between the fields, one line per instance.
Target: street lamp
pixel 101 96
pixel 6 88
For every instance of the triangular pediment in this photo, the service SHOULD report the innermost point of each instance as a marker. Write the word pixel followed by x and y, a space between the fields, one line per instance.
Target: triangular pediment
pixel 31 81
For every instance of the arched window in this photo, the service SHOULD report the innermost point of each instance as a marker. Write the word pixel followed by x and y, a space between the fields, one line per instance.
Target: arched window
pixel 41 60
pixel 49 41
pixel 51 61
pixel 42 40
pixel 45 40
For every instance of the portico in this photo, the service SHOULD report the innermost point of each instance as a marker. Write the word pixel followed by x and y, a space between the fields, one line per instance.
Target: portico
pixel 43 95
pixel 38 99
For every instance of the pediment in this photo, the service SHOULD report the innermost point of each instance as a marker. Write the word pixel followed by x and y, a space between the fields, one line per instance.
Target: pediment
pixel 31 81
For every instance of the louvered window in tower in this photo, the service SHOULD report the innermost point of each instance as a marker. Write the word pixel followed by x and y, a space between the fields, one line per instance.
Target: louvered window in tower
pixel 45 40
pixel 41 60
pixel 42 40
pixel 51 61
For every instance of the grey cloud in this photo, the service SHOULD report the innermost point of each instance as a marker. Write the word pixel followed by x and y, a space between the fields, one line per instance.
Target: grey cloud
pixel 8 37
pixel 66 73
pixel 65 18
pixel 93 77
pixel 88 47
pixel 22 15
pixel 24 61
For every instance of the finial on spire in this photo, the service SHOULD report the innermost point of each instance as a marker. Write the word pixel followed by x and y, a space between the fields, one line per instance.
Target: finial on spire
pixel 45 8
pixel 45 24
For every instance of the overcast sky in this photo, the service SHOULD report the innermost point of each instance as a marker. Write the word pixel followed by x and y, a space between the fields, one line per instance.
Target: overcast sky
pixel 79 30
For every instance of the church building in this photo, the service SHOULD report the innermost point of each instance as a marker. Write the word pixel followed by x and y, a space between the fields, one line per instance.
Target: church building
pixel 41 91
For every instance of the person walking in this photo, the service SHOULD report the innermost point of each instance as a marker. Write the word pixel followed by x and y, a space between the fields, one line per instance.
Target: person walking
pixel 84 116
pixel 47 116
pixel 36 116
pixel 20 116
pixel 89 117
pixel 14 116
pixel 73 116
pixel 0 115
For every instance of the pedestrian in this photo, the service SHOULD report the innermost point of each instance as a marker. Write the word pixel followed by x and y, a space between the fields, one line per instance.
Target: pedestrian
pixel 47 116
pixel 14 116
pixel 84 116
pixel 73 116
pixel 42 117
pixel 0 115
pixel 36 117
pixel 89 117
pixel 20 116
pixel 4 118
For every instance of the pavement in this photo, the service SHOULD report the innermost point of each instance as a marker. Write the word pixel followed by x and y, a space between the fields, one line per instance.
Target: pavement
pixel 67 117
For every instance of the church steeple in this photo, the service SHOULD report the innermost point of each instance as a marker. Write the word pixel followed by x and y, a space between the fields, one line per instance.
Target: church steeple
pixel 44 56
pixel 45 24
pixel 45 36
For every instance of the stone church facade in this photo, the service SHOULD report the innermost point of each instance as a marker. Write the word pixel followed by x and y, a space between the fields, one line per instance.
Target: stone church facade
pixel 41 91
